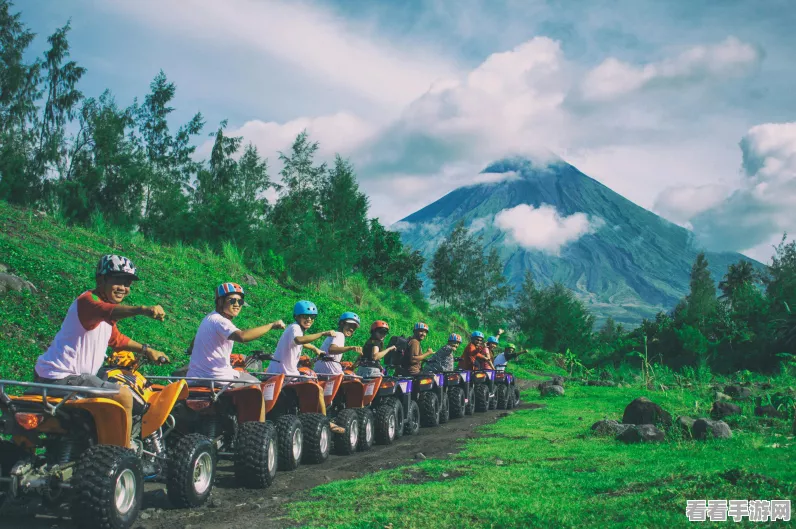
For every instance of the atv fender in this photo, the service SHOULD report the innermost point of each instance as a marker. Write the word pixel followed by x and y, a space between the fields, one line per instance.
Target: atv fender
pixel 370 389
pixel 160 406
pixel 110 420
pixel 310 396
pixel 271 390
pixel 330 388
pixel 354 392
pixel 248 403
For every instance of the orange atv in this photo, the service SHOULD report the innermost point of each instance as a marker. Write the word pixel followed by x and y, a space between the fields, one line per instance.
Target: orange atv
pixel 348 397
pixel 73 444
pixel 232 414
pixel 297 405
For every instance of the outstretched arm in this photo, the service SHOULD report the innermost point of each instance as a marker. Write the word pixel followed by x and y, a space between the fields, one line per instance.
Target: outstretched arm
pixel 307 338
pixel 248 335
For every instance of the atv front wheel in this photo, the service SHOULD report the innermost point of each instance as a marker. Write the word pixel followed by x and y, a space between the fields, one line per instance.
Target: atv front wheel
pixel 456 402
pixel 429 409
pixel 502 394
pixel 366 426
pixel 109 486
pixel 516 392
pixel 469 407
pixel 386 424
pixel 255 454
pixel 345 444
pixel 399 418
pixel 412 419
pixel 191 469
pixel 444 410
pixel 481 398
pixel 290 442
pixel 493 400
pixel 317 437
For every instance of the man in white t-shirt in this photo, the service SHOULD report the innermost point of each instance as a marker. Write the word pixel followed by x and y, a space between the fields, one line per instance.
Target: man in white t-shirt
pixel 212 345
pixel 294 339
pixel 334 346
pixel 78 350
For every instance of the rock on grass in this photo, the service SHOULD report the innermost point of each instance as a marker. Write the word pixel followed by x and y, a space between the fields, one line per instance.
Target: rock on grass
pixel 551 390
pixel 724 409
pixel 641 433
pixel 644 411
pixel 705 429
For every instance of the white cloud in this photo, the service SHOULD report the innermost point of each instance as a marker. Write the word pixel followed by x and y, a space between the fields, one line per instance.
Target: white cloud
pixel 681 204
pixel 614 78
pixel 480 224
pixel 495 178
pixel 755 215
pixel 543 228
pixel 305 36
pixel 337 133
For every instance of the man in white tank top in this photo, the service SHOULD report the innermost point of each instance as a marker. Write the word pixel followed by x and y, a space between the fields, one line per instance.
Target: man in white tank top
pixel 78 350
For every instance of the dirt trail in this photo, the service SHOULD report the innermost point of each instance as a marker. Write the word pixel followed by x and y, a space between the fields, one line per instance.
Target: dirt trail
pixel 230 506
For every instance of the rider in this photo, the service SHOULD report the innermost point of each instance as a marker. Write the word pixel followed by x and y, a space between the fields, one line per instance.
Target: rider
pixel 415 355
pixel 78 350
pixel 507 354
pixel 294 339
pixel 212 346
pixel 489 351
pixel 442 360
pixel 369 365
pixel 334 346
pixel 473 353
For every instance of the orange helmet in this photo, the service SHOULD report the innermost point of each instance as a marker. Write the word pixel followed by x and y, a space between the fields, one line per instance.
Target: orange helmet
pixel 379 324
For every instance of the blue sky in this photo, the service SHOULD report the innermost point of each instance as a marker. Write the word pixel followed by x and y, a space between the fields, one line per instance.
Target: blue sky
pixel 683 107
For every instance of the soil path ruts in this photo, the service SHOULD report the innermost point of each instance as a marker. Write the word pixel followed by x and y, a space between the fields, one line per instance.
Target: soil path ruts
pixel 233 507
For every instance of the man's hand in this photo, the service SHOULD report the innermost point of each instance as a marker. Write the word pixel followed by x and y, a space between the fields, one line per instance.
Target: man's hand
pixel 278 324
pixel 328 333
pixel 357 350
pixel 500 331
pixel 429 351
pixel 156 312
pixel 157 357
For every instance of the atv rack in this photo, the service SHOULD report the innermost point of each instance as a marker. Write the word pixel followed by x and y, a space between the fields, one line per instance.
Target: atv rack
pixel 72 392
pixel 228 383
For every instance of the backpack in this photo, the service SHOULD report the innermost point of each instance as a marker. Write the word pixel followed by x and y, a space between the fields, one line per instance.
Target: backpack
pixel 400 356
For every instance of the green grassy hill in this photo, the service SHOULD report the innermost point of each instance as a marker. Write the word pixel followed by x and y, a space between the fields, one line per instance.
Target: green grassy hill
pixel 59 260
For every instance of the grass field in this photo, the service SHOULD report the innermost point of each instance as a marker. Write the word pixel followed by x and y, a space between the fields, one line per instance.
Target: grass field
pixel 543 468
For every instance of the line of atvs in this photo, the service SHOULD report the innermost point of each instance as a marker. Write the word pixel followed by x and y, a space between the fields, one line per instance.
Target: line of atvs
pixel 74 445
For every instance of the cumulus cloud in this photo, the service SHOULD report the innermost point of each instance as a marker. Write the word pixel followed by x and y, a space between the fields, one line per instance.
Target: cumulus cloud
pixel 681 204
pixel 480 224
pixel 495 178
pixel 543 228
pixel 762 209
pixel 614 78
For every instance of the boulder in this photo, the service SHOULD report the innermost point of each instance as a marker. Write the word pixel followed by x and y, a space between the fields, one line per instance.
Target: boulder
pixel 705 428
pixel 721 396
pixel 685 423
pixel 608 428
pixel 557 381
pixel 249 280
pixel 605 383
pixel 724 409
pixel 641 433
pixel 738 392
pixel 551 390
pixel 10 282
pixel 769 411
pixel 643 411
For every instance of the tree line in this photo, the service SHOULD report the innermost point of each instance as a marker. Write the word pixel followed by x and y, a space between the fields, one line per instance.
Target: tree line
pixel 83 157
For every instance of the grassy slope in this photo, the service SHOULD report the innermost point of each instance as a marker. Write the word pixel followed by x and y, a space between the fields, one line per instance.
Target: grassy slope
pixel 555 474
pixel 60 260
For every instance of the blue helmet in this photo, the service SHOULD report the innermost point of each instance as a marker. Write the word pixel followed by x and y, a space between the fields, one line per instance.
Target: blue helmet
pixel 420 326
pixel 305 307
pixel 349 317
pixel 477 334
pixel 492 339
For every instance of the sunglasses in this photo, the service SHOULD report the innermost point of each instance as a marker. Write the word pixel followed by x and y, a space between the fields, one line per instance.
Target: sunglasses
pixel 382 331
pixel 235 301
pixel 307 316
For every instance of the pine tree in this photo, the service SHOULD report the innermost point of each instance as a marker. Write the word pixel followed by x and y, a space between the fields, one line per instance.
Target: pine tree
pixel 701 299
